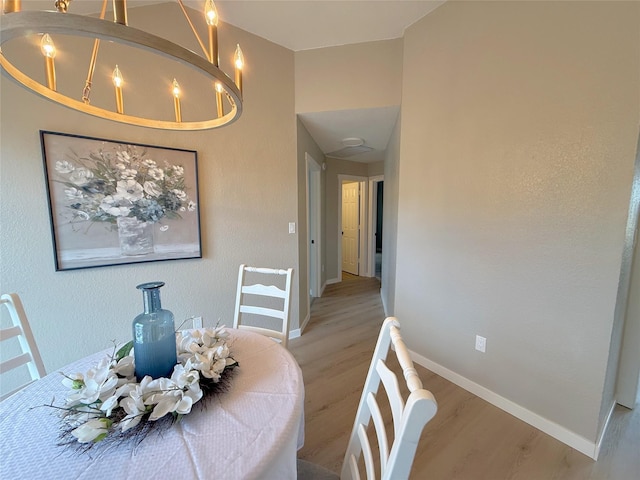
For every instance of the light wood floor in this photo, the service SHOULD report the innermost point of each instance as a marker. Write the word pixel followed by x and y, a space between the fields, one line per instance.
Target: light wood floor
pixel 468 439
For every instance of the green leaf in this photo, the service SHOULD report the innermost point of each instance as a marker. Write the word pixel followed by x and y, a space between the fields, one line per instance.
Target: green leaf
pixel 124 351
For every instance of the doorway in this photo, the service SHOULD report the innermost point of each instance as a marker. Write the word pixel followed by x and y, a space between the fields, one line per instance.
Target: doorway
pixel 313 198
pixel 353 239
pixel 376 201
pixel 350 227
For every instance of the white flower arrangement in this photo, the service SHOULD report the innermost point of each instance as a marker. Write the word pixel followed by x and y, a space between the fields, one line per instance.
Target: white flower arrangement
pixel 122 182
pixel 107 399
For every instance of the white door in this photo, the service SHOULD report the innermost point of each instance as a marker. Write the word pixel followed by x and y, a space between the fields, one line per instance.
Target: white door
pixel 350 227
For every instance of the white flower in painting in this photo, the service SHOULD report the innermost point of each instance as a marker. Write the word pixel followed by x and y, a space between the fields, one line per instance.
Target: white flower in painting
pixel 121 166
pixel 149 163
pixel 191 206
pixel 129 190
pixel 128 174
pixel 180 195
pixel 156 173
pixel 64 167
pixel 123 156
pixel 109 205
pixel 73 194
pixel 80 176
pixel 152 189
pixel 92 431
pixel 164 228
pixel 178 170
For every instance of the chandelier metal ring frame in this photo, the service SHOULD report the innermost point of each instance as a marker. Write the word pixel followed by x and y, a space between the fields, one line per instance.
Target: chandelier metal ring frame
pixel 22 24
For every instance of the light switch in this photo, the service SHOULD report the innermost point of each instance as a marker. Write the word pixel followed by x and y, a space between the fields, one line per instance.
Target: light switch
pixel 292 227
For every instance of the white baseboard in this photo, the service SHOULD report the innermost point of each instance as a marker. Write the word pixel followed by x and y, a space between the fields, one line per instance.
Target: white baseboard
pixel 604 429
pixel 332 280
pixel 549 427
pixel 295 333
pixel 302 327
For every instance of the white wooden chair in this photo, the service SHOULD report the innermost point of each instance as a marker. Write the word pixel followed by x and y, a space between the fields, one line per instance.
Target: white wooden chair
pixel 28 350
pixel 409 418
pixel 255 301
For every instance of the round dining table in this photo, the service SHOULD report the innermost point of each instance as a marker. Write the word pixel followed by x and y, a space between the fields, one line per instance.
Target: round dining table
pixel 250 431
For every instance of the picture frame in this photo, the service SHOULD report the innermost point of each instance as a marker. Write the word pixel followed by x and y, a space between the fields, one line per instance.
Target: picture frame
pixel 113 202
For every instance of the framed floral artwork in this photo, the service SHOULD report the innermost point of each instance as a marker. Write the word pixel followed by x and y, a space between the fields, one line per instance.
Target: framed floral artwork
pixel 113 202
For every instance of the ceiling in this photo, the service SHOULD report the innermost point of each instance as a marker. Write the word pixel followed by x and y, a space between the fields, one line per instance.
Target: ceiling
pixel 309 24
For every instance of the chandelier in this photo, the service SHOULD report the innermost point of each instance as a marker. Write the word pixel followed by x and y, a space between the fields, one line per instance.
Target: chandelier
pixel 224 106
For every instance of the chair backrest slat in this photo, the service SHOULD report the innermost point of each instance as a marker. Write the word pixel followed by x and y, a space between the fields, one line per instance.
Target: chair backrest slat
pixel 247 302
pixel 20 329
pixel 409 417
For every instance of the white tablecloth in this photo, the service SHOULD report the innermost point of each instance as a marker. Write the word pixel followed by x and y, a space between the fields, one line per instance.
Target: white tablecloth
pixel 251 431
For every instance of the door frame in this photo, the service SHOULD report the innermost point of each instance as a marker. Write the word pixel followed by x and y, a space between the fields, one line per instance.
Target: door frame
pixel 313 212
pixel 363 262
pixel 373 212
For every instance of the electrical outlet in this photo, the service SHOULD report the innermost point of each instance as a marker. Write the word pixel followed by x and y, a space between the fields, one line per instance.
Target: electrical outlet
pixel 481 343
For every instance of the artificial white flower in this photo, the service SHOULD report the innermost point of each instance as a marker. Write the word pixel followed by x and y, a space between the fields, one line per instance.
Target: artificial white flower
pixel 125 367
pixel 92 431
pixel 98 384
pixel 109 390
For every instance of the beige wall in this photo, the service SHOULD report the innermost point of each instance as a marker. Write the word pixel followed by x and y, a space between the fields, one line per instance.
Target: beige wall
pixel 364 75
pixel 519 124
pixel 390 222
pixel 247 180
pixel 375 168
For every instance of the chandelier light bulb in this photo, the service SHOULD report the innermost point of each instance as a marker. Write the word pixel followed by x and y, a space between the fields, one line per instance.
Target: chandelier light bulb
pixel 238 58
pixel 117 78
pixel 117 82
pixel 211 13
pixel 176 88
pixel 47 46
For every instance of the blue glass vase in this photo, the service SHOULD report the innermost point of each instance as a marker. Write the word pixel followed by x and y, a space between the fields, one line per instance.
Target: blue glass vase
pixel 154 336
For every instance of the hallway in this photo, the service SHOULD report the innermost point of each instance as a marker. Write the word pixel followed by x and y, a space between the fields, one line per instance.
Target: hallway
pixel 468 439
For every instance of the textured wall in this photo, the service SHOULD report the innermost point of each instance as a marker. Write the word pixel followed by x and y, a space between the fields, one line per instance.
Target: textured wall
pixel 519 124
pixel 363 75
pixel 246 174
